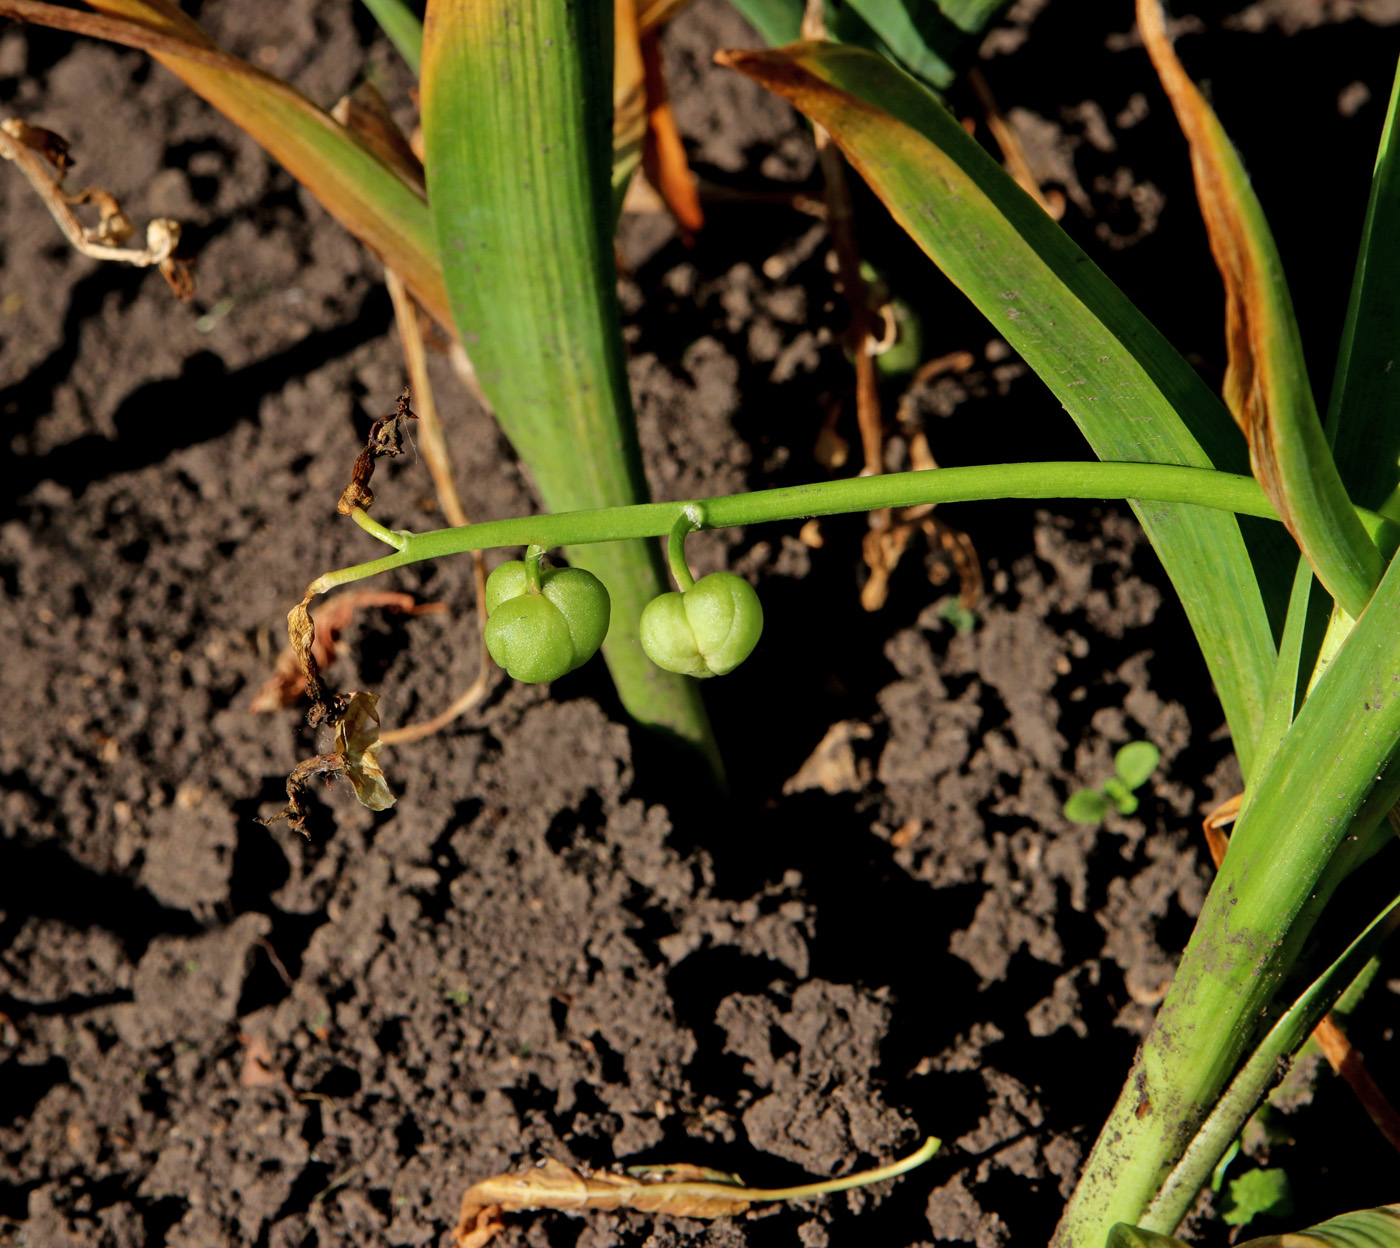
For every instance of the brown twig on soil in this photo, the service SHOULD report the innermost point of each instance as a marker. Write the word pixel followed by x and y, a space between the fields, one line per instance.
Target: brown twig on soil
pixel 43 157
pixel 1341 1055
pixel 1013 151
pixel 435 452
pixel 891 532
pixel 840 220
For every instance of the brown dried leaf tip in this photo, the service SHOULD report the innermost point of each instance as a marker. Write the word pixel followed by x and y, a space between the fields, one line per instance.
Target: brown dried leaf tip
pixel 386 437
pixel 43 157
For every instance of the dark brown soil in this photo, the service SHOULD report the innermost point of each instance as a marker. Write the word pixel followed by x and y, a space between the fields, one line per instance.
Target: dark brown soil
pixel 217 1034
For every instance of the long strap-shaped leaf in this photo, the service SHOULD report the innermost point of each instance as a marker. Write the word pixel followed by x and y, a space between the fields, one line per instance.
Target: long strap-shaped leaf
pixel 1329 784
pixel 517 113
pixel 1366 389
pixel 1131 394
pixel 1366 1228
pixel 1266 380
pixel 352 184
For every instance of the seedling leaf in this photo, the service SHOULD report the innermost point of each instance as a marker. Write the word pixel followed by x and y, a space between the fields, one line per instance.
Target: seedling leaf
pixel 1255 1193
pixel 1086 806
pixel 1136 762
pixel 1120 795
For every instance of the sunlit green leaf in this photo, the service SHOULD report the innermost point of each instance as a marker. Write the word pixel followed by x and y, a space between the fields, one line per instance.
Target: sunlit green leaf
pixel 1366 388
pixel 517 121
pixel 1131 394
pixel 1266 380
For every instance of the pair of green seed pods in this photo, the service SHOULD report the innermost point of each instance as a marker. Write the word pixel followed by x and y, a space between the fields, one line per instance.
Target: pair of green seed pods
pixel 543 624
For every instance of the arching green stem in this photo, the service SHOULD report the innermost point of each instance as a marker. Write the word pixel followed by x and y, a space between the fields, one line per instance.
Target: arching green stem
pixel 532 568
pixel 1140 482
pixel 691 519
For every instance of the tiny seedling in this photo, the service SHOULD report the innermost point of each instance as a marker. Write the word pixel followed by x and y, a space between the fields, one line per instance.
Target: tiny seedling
pixel 1133 766
pixel 1257 1193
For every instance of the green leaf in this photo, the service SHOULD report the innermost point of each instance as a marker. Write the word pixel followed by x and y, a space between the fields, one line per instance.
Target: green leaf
pixel 1218 1136
pixel 1256 1193
pixel 1131 394
pixel 777 21
pixel 1217 1176
pixel 1304 627
pixel 1136 762
pixel 517 120
pixel 1086 806
pixel 1266 381
pixel 1366 386
pixel 929 38
pixel 1366 1228
pixel 1320 801
pixel 960 617
pixel 1122 1235
pixel 402 26
pixel 920 35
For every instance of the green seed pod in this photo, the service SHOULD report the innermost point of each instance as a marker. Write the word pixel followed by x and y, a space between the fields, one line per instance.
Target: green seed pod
pixel 706 631
pixel 541 636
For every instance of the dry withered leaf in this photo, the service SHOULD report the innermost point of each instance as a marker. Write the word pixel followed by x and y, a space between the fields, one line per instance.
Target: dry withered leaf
pixel 357 742
pixel 366 112
pixel 301 633
pixel 53 148
pixel 552 1185
pixel 385 438
pixel 295 811
pixel 114 226
pixel 357 493
pixel 288 682
pixel 833 766
pixel 663 154
pixel 683 1191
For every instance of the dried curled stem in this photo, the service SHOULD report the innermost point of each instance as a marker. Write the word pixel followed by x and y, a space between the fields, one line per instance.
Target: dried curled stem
pixel 43 157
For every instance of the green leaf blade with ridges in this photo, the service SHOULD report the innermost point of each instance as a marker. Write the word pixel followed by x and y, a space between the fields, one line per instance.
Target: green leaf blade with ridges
pixel 350 181
pixel 1131 394
pixel 1361 416
pixel 1266 380
pixel 517 120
